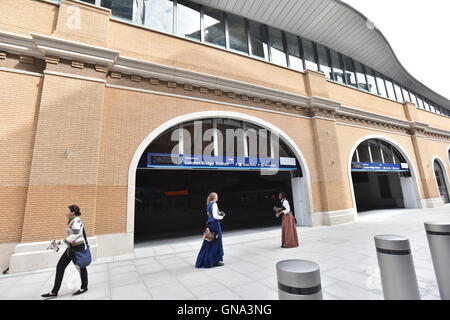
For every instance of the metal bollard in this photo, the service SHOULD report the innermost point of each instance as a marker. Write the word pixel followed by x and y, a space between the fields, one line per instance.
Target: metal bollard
pixel 298 280
pixel 398 276
pixel 438 235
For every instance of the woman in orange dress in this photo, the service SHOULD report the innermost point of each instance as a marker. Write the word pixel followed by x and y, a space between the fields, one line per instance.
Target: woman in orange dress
pixel 289 238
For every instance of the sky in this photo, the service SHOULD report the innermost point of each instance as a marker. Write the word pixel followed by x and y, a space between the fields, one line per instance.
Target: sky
pixel 419 33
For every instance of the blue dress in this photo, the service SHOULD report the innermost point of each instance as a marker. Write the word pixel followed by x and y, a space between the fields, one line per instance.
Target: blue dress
pixel 211 252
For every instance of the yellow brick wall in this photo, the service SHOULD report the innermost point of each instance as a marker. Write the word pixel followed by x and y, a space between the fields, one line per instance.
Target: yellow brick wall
pixel 19 106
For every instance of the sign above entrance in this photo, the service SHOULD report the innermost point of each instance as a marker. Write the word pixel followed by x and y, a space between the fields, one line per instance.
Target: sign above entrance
pixel 162 160
pixel 380 167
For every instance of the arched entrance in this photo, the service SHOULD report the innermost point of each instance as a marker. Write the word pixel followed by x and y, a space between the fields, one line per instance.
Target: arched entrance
pixel 441 180
pixel 169 197
pixel 382 176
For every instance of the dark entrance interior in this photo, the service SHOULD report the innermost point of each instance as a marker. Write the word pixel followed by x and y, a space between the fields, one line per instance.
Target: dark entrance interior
pixel 171 203
pixel 377 190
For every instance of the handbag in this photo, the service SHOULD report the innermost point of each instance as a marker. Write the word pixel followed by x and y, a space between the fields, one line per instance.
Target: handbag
pixel 209 236
pixel 83 258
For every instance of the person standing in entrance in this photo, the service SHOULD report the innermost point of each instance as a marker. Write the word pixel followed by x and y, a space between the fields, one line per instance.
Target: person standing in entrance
pixel 211 252
pixel 75 241
pixel 289 238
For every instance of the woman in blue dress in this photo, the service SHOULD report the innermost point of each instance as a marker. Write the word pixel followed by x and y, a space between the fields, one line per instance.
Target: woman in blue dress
pixel 211 253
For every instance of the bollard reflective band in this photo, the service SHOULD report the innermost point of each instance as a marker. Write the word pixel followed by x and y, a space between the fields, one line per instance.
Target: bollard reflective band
pixel 435 233
pixel 395 252
pixel 299 291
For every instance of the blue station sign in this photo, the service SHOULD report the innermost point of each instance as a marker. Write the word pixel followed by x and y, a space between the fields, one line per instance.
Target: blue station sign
pixel 162 160
pixel 380 167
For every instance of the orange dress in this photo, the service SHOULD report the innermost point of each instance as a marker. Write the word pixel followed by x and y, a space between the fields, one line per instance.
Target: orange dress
pixel 289 238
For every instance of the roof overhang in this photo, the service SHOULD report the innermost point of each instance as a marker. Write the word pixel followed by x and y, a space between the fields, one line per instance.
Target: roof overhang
pixel 336 25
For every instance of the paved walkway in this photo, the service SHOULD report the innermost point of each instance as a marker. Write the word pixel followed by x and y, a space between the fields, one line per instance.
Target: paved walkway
pixel 165 270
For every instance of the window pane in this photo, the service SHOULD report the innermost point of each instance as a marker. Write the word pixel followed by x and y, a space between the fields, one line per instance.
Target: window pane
pixel 387 152
pixel 381 86
pixel 308 52
pixel 349 71
pixel 158 14
pixel 323 61
pixel 89 1
pixel 188 20
pixel 363 152
pixel 214 27
pixel 375 150
pixel 372 86
pixel 432 108
pixel 398 158
pixel 119 8
pixel 427 106
pixel 258 39
pixel 390 89
pixel 360 77
pixel 398 91
pixel 236 31
pixel 406 95
pixel 276 47
pixel 420 101
pixel 413 98
pixel 338 73
pixel 294 53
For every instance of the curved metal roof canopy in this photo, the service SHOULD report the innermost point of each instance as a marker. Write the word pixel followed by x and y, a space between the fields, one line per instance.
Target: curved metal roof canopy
pixel 336 25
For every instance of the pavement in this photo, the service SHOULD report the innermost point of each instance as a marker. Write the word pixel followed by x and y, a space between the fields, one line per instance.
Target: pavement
pixel 165 270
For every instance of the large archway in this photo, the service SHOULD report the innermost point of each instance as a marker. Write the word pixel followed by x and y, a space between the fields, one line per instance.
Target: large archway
pixel 382 175
pixel 297 182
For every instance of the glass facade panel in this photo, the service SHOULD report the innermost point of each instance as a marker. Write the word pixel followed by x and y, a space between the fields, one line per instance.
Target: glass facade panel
pixel 277 50
pixel 295 59
pixel 372 86
pixel 375 150
pixel 323 61
pixel 258 40
pixel 406 94
pixel 363 152
pixel 349 71
pixel 158 14
pixel 432 108
pixel 398 92
pixel 336 63
pixel 119 8
pixel 427 106
pixel 381 86
pixel 89 1
pixel 388 155
pixel 236 31
pixel 390 89
pixel 214 26
pixel 413 98
pixel 308 52
pixel 188 20
pixel 420 102
pixel 360 76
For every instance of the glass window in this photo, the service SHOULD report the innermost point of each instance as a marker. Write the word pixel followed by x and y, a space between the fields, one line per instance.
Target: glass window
pixel 295 59
pixel 371 86
pixel 363 152
pixel 360 76
pixel 349 71
pixel 406 94
pixel 308 52
pixel 119 8
pixel 413 98
pixel 89 1
pixel 258 40
pixel 214 26
pixel 398 92
pixel 237 33
pixel 188 20
pixel 375 150
pixel 420 102
pixel 432 108
pixel 427 106
pixel 158 14
pixel 277 51
pixel 381 86
pixel 336 63
pixel 388 155
pixel 323 61
pixel 390 89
